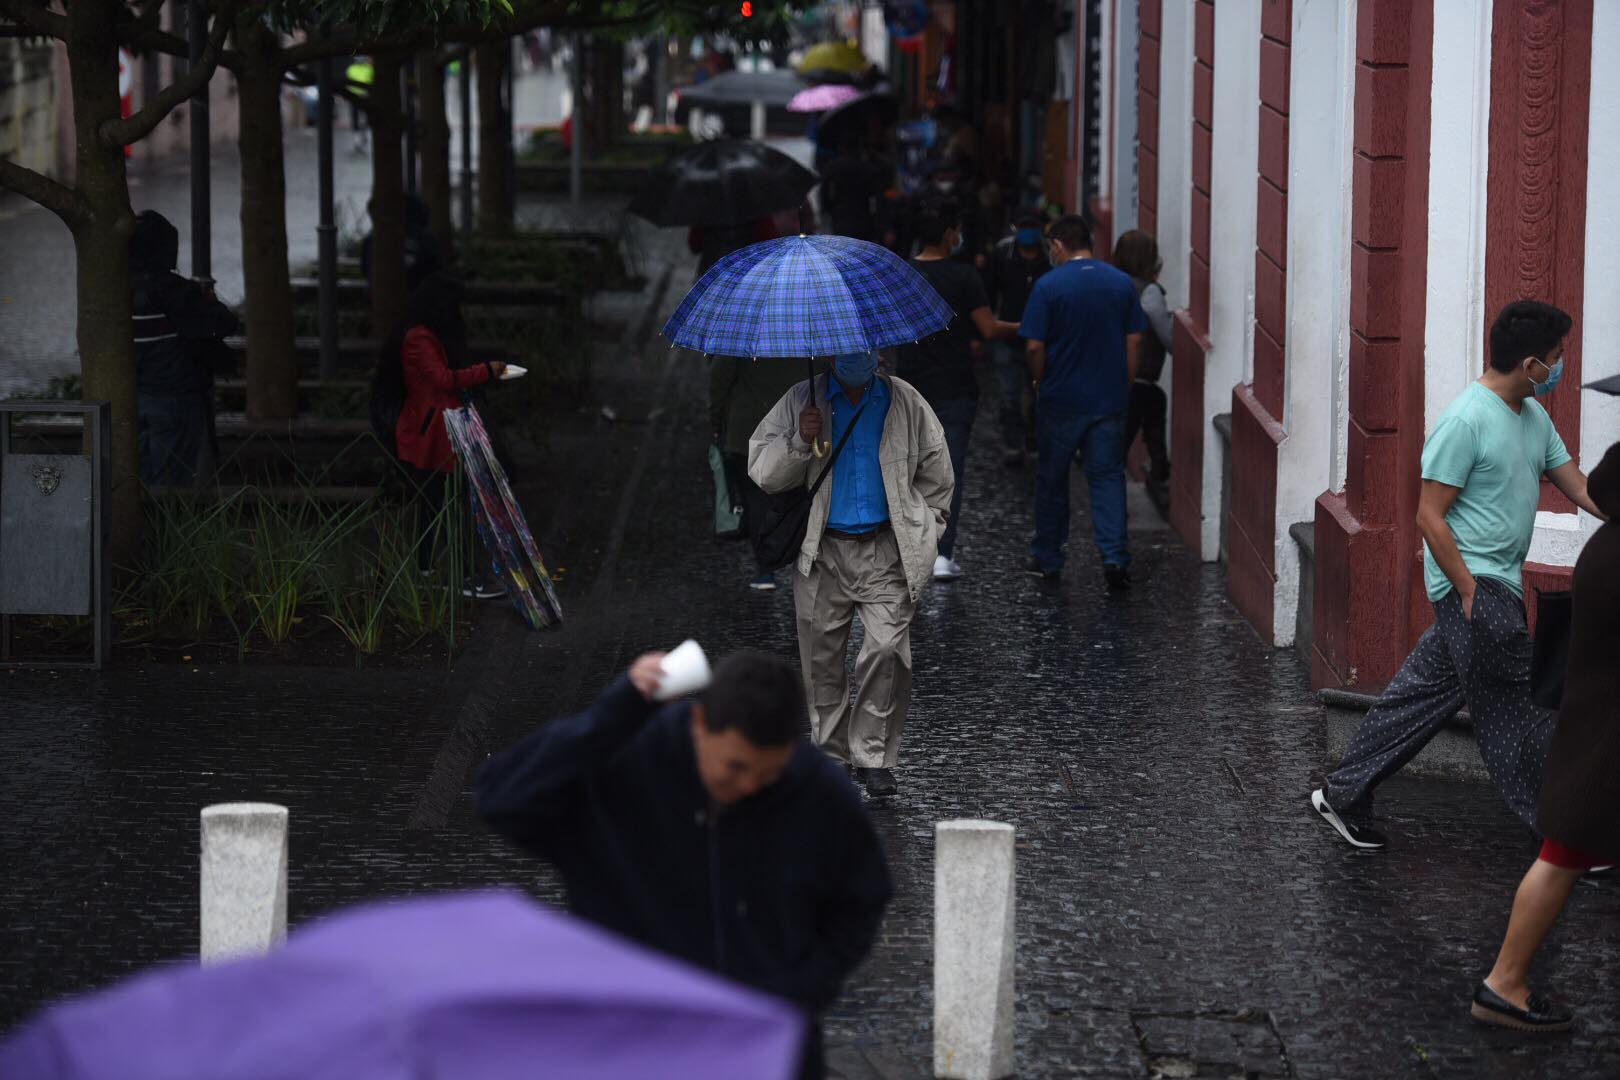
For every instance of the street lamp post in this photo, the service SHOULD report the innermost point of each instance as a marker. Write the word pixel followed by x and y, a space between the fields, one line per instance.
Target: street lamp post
pixel 464 90
pixel 326 230
pixel 202 255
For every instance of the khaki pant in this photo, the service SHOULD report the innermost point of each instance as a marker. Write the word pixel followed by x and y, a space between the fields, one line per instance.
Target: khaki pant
pixel 850 576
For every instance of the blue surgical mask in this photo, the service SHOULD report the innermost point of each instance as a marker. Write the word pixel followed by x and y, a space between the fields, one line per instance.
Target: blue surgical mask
pixel 1028 238
pixel 855 369
pixel 1554 373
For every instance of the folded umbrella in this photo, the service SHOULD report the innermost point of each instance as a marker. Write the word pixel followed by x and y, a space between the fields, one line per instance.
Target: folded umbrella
pixel 807 296
pixel 822 98
pixel 744 88
pixel 724 182
pixel 485 984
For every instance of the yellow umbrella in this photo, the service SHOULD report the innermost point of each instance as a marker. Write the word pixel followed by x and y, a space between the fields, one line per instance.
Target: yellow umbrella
pixel 833 56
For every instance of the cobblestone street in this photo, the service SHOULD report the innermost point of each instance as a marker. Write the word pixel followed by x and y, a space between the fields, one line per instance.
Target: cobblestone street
pixel 1178 906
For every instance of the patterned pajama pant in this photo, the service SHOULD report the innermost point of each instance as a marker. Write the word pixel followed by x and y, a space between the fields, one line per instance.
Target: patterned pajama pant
pixel 1484 661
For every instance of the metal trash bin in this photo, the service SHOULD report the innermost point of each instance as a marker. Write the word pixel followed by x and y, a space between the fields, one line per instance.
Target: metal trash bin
pixel 53 520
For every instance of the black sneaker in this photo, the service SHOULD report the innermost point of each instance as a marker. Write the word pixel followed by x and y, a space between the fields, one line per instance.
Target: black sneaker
pixel 1118 578
pixel 1542 1015
pixel 879 782
pixel 1032 566
pixel 482 590
pixel 1358 836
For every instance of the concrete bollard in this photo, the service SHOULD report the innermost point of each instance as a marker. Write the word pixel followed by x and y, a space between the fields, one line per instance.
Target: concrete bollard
pixel 973 950
pixel 244 879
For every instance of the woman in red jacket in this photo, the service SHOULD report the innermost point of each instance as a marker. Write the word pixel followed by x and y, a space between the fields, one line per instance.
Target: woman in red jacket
pixel 425 363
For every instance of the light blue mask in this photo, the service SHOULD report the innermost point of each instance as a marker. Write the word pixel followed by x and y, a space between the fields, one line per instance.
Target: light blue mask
pixel 855 369
pixel 1554 373
pixel 1029 238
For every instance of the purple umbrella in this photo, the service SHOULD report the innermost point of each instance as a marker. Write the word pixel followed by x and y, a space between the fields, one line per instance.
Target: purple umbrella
pixel 485 984
pixel 822 98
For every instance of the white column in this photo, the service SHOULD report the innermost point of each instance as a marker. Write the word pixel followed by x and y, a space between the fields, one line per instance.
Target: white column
pixel 1175 150
pixel 244 878
pixel 1234 157
pixel 1321 121
pixel 974 939
pixel 1126 49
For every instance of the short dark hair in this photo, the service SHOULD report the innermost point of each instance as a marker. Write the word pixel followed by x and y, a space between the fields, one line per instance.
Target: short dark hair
pixel 1072 232
pixel 1027 219
pixel 757 695
pixel 935 216
pixel 1526 328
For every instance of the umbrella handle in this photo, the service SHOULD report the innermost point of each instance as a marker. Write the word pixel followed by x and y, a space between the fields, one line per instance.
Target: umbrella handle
pixel 819 447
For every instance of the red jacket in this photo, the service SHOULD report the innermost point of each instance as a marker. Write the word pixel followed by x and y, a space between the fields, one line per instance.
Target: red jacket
pixel 431 386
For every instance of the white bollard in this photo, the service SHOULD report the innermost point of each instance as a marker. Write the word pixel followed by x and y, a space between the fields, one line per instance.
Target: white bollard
pixel 973 950
pixel 244 878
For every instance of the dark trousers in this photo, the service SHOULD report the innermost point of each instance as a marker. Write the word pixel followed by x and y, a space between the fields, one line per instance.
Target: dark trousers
pixel 433 487
pixel 749 495
pixel 174 429
pixel 1484 661
pixel 1147 415
pixel 956 417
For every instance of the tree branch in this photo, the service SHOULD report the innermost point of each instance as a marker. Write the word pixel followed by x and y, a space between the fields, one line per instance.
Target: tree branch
pixel 36 16
pixel 59 199
pixel 130 129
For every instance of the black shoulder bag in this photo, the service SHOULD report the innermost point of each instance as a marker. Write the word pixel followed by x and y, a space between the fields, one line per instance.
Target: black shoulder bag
pixel 779 537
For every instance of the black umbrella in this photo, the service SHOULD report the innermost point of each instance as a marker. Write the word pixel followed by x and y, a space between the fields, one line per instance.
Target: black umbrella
pixel 1611 385
pixel 852 117
pixel 744 88
pixel 724 182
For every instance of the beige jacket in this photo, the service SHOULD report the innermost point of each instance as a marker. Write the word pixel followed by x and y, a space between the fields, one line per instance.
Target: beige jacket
pixel 917 476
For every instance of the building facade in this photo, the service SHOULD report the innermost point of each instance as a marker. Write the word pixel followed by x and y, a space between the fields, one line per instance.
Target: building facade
pixel 1345 193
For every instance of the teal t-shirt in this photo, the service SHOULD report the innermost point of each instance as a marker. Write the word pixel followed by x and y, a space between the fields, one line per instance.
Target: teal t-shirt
pixel 1497 457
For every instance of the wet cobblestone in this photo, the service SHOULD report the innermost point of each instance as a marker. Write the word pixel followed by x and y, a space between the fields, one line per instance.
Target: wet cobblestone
pixel 1175 896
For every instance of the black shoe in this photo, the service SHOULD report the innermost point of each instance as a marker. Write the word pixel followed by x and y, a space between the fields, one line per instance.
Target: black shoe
pixel 482 590
pixel 879 782
pixel 1012 458
pixel 1032 566
pixel 1358 836
pixel 1542 1015
pixel 1117 577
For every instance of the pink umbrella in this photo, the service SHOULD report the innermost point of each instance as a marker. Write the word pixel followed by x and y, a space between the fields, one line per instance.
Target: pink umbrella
pixel 822 98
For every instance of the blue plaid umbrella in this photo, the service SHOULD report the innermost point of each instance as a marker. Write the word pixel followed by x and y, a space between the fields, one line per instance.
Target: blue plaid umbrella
pixel 807 296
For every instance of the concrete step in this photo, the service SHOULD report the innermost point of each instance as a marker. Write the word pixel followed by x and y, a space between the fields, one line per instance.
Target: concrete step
pixel 1450 755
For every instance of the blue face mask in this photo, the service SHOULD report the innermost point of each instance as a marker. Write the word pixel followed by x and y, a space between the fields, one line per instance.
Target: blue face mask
pixel 1030 238
pixel 855 369
pixel 1554 373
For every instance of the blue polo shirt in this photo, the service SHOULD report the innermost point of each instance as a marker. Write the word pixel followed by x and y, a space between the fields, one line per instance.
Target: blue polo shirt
pixel 859 503
pixel 1082 311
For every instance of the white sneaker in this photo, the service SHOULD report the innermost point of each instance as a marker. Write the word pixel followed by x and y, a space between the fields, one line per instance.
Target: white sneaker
pixel 946 569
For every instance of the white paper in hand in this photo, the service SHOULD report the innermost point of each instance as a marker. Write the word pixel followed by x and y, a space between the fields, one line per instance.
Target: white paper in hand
pixel 686 671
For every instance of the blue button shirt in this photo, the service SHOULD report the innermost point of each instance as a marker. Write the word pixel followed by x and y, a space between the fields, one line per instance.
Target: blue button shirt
pixel 858 501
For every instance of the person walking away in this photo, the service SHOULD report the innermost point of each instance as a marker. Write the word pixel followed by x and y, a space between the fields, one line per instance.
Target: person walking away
pixel 709 830
pixel 1482 470
pixel 1137 253
pixel 852 188
pixel 179 328
pixel 941 365
pixel 1013 266
pixel 1083 328
pixel 868 547
pixel 741 392
pixel 424 365
pixel 1579 808
pixel 360 74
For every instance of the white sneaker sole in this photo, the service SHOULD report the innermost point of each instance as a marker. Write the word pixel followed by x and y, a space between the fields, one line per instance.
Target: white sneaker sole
pixel 1320 804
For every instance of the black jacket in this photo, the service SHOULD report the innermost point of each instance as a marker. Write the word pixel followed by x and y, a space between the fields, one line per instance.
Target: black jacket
pixel 178 325
pixel 1009 277
pixel 783 891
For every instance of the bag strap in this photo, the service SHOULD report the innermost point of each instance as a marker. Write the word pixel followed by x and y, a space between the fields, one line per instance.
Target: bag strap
pixel 842 439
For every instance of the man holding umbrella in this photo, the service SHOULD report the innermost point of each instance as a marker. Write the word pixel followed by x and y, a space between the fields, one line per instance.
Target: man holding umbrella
pixel 869 547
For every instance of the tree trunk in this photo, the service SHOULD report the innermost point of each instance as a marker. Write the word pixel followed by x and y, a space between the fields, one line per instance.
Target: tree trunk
pixel 101 248
pixel 604 92
pixel 435 124
pixel 387 206
pixel 272 364
pixel 494 137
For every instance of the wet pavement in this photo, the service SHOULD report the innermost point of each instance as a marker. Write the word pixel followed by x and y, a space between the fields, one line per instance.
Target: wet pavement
pixel 1180 911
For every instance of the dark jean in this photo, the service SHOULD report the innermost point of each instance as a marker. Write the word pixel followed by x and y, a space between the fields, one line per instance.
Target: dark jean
pixel 173 433
pixel 1149 407
pixel 1012 375
pixel 956 417
pixel 1099 438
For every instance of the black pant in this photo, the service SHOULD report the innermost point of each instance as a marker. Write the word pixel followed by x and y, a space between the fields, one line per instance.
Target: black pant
pixel 1147 415
pixel 433 486
pixel 750 495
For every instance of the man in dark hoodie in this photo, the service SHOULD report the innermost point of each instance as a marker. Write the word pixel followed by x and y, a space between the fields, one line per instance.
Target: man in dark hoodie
pixel 178 328
pixel 708 829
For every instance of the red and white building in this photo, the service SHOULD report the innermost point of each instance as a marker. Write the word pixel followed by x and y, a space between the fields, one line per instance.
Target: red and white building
pixel 1345 193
